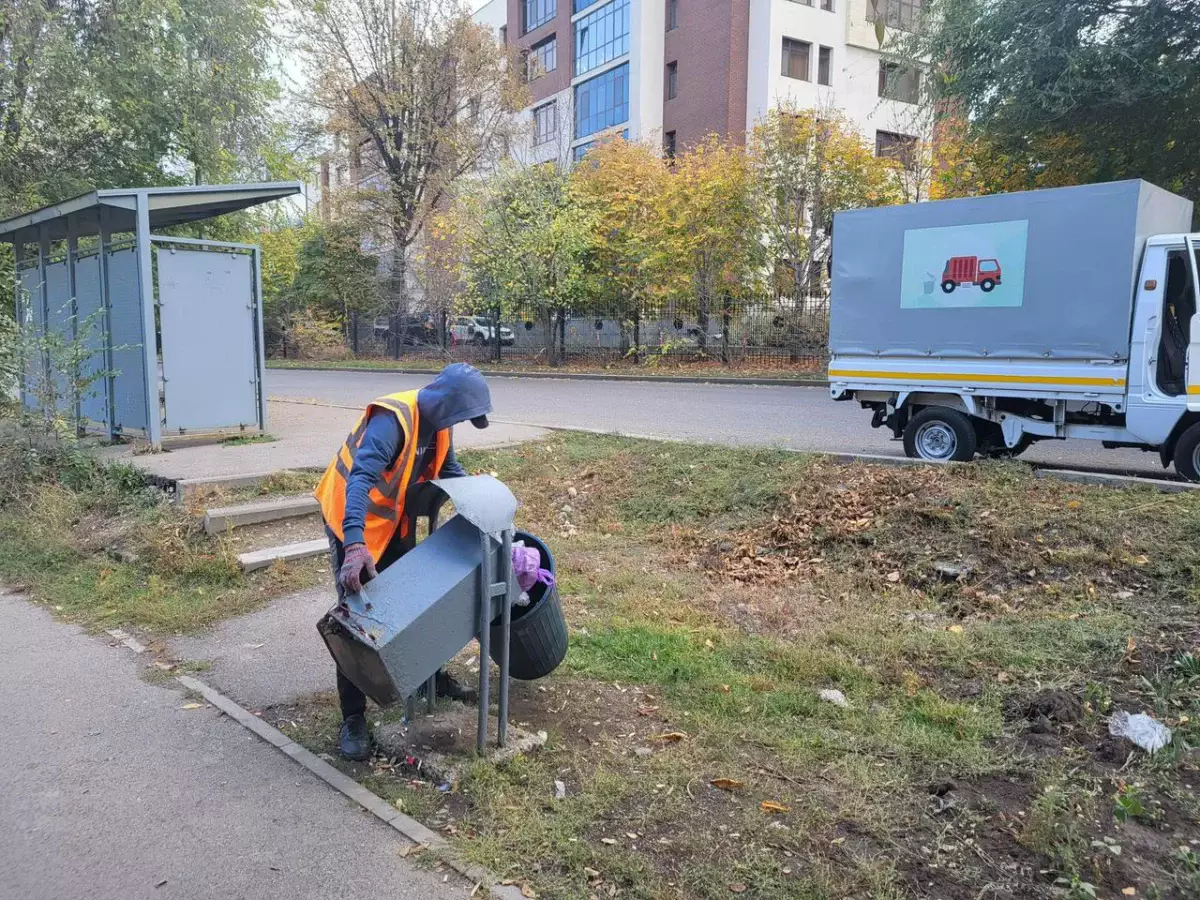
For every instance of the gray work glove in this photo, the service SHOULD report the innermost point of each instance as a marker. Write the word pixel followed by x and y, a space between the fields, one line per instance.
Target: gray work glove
pixel 357 568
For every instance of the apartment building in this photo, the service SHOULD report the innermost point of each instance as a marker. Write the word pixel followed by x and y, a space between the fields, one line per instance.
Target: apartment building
pixel 674 71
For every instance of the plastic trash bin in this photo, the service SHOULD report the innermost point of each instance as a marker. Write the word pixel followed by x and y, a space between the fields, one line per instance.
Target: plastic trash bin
pixel 539 630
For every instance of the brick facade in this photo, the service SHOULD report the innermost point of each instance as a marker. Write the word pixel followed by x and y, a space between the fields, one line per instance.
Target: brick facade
pixel 710 45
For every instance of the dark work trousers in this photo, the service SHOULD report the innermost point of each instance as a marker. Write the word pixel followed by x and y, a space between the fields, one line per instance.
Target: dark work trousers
pixel 353 701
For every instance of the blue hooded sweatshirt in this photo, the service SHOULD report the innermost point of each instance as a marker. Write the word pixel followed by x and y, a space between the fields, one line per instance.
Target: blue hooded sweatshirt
pixel 458 394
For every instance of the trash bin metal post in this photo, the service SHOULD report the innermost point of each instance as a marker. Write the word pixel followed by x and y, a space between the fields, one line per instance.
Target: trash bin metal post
pixel 485 635
pixel 506 599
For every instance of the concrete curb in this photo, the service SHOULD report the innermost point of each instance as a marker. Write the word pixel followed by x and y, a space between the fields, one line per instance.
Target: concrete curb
pixel 582 376
pixel 408 827
pixel 270 510
pixel 254 560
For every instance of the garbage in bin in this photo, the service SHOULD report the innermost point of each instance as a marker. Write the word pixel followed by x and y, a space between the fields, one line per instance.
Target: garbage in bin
pixel 538 638
pixel 527 565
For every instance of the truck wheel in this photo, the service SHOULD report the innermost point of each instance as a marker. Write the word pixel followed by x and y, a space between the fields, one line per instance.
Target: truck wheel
pixel 479 338
pixel 987 285
pixel 948 286
pixel 940 434
pixel 1187 454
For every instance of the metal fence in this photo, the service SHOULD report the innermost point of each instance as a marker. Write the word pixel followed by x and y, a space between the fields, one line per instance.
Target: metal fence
pixel 761 335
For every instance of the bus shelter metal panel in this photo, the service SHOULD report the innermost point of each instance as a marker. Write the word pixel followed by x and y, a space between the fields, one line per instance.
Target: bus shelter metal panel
pixel 60 317
pixel 29 301
pixel 129 359
pixel 93 402
pixel 209 348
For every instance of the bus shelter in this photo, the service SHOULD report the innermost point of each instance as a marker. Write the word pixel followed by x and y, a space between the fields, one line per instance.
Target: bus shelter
pixel 170 327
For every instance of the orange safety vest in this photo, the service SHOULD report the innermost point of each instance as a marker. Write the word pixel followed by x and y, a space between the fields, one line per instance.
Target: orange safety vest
pixel 385 506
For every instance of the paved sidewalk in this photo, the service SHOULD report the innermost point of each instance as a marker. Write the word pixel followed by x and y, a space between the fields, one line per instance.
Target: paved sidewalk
pixel 306 437
pixel 112 790
pixel 270 656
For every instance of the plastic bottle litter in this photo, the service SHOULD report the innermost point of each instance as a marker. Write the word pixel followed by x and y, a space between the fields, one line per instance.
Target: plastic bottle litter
pixel 1147 733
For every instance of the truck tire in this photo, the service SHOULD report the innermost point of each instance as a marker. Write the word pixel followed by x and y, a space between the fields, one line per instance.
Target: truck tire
pixel 948 286
pixel 1187 454
pixel 987 285
pixel 940 434
pixel 480 338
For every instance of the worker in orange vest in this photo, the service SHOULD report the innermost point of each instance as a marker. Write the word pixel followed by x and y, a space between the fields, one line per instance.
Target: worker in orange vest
pixel 400 439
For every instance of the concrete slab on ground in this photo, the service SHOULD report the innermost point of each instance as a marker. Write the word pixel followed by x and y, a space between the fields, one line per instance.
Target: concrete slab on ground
pixel 306 436
pixel 444 741
pixel 273 655
pixel 113 791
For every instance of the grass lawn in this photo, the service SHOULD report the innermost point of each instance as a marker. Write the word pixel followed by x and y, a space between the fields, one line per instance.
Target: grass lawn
pixel 981 625
pixel 99 545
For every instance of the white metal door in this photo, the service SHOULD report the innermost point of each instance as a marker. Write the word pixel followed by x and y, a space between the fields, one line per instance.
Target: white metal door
pixel 1193 351
pixel 209 350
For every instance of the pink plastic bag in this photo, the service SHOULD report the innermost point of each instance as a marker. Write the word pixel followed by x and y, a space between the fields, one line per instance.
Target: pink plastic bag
pixel 527 565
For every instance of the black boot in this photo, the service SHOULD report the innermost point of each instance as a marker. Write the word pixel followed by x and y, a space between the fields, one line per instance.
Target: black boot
pixel 449 686
pixel 354 743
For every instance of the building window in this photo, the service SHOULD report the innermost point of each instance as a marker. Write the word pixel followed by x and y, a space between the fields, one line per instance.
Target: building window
pixel 602 102
pixel 804 2
pixel 897 82
pixel 669 145
pixel 902 14
pixel 795 59
pixel 825 66
pixel 827 5
pixel 581 151
pixel 536 13
pixel 580 5
pixel 503 35
pixel 672 14
pixel 672 80
pixel 543 58
pixel 545 123
pixel 602 36
pixel 900 147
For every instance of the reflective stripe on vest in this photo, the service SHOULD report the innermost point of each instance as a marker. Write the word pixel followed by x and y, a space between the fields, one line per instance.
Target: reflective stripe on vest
pixel 385 501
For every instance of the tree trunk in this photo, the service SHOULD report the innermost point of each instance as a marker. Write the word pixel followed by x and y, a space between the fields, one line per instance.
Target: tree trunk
pixel 548 334
pixel 637 335
pixel 562 335
pixel 728 306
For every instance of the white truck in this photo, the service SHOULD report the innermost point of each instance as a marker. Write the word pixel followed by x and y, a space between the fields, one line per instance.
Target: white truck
pixel 983 325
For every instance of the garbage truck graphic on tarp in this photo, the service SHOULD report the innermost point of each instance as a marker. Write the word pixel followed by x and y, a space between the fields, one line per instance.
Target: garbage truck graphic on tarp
pixel 964 266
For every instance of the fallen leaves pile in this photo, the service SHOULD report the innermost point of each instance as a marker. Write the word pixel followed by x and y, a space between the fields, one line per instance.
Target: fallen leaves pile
pixel 836 502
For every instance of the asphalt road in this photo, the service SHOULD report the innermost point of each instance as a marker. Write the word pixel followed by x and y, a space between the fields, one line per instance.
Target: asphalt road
pixel 797 417
pixel 112 790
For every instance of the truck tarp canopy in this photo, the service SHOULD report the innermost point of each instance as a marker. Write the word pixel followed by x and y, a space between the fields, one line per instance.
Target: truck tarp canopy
pixel 1042 274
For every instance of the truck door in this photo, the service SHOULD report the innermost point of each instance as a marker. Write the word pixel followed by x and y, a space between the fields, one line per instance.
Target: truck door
pixel 1193 351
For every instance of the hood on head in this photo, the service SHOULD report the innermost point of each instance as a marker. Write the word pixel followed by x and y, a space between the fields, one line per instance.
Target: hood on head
pixel 459 393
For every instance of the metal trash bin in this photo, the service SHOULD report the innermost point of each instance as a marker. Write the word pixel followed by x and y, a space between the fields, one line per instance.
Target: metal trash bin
pixel 539 630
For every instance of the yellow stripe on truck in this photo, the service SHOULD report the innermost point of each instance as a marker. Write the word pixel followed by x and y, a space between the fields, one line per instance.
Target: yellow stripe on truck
pixel 989 378
pixel 1193 390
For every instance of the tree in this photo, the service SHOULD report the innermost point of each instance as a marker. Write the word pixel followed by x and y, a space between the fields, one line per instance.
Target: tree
pixel 622 187
pixel 710 249
pixel 525 245
pixel 810 164
pixel 104 93
pixel 418 94
pixel 1089 89
pixel 334 276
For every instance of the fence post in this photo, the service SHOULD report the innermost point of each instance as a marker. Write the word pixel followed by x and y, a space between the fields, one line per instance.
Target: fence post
pixel 496 332
pixel 354 332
